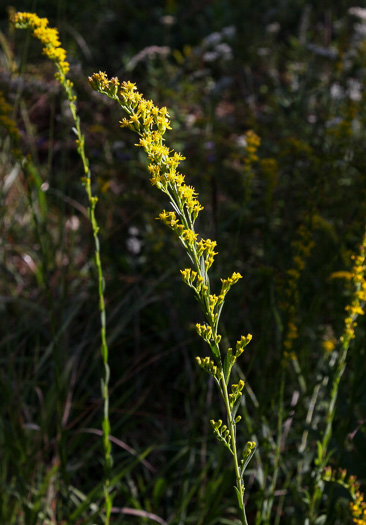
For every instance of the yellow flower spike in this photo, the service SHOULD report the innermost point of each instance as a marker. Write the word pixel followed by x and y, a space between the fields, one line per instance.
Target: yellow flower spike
pixel 189 236
pixel 128 87
pixel 48 36
pixel 328 345
pixel 151 123
pixel 342 275
pixel 227 283
pixel 158 153
pixel 186 275
pixel 217 338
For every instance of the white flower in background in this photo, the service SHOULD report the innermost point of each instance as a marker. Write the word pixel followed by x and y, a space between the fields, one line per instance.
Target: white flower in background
pixel 360 12
pixel 224 51
pixel 241 141
pixel 354 89
pixel 326 52
pixel 273 28
pixel 133 243
pixel 336 91
pixel 212 40
pixel 360 29
pixel 168 20
pixel 229 32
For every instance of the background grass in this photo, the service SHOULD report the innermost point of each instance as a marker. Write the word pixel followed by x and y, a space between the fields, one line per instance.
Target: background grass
pixel 294 73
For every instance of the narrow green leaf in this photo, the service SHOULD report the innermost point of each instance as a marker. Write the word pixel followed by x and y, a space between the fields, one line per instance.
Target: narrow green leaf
pixel 219 313
pixel 246 462
pixel 235 408
pixel 227 368
pixel 240 500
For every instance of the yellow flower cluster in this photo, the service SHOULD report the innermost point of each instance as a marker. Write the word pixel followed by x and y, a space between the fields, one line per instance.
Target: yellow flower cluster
pixel 356 306
pixel 302 248
pixel 358 505
pixel 169 218
pixel 342 275
pixel 252 144
pixel 236 392
pixel 207 247
pixel 189 236
pixel 205 331
pixel 189 277
pixel 7 122
pixel 222 433
pixel 328 345
pixel 242 343
pixel 250 158
pixel 207 364
pixel 343 130
pixel 226 283
pixel 150 123
pixel 47 35
pixel 358 509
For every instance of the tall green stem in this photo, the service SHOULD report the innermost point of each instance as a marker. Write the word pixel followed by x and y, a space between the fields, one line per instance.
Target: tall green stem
pixel 104 347
pixel 52 48
pixel 239 482
pixel 328 430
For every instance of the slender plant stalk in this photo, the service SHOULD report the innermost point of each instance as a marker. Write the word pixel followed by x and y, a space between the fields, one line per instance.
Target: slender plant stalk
pixel 150 123
pixel 239 481
pixel 52 48
pixel 354 309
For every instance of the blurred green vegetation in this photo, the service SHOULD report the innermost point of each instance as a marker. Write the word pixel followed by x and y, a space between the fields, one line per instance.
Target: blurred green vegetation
pixel 287 214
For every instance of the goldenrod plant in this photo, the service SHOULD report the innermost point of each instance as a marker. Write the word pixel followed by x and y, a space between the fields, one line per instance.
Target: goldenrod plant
pixel 49 37
pixel 150 123
pixel 354 309
pixel 357 506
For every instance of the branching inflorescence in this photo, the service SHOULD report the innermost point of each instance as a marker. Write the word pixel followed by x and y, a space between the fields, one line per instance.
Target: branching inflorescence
pixel 151 123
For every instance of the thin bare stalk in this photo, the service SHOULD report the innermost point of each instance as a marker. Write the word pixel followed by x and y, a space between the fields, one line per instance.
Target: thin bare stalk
pixel 52 48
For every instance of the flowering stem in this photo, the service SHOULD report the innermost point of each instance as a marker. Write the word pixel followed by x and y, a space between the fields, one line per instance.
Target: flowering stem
pixel 53 50
pixel 354 309
pixel 239 481
pixel 150 123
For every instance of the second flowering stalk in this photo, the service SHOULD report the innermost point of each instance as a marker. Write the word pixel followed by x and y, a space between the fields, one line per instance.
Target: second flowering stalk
pixel 151 123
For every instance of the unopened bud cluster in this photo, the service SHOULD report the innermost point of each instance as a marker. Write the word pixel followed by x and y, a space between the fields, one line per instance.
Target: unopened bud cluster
pixel 222 433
